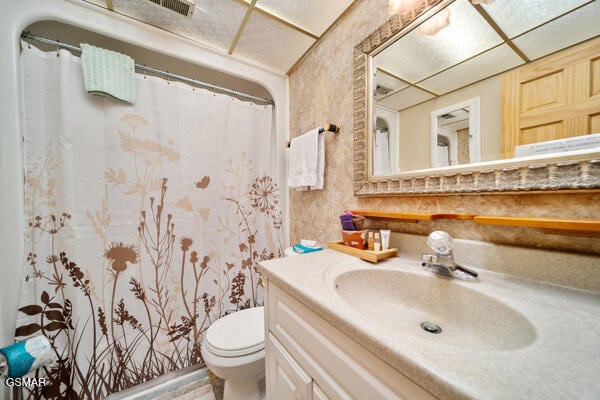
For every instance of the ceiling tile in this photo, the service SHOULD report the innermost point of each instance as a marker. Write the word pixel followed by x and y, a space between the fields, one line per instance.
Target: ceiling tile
pixel 492 62
pixel 313 16
pixel 387 83
pixel 272 44
pixel 97 2
pixel 417 56
pixel 214 23
pixel 517 16
pixel 571 29
pixel 406 98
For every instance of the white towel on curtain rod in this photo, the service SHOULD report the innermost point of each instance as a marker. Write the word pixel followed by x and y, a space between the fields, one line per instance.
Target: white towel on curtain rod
pixel 145 223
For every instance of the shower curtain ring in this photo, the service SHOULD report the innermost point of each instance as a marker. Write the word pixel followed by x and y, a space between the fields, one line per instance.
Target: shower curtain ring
pixel 168 80
pixel 214 93
pixel 144 71
pixel 193 83
pixel 57 48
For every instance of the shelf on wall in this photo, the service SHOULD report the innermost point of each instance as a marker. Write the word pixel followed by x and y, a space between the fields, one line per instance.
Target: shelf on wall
pixel 558 226
pixel 555 226
pixel 411 217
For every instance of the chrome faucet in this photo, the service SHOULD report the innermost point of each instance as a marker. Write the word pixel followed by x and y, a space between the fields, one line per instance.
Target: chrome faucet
pixel 442 262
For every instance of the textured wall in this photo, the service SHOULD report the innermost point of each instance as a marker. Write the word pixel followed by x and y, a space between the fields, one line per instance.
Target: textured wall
pixel 321 91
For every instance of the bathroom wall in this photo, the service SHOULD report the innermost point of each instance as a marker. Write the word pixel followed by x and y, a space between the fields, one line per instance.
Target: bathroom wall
pixel 14 18
pixel 321 91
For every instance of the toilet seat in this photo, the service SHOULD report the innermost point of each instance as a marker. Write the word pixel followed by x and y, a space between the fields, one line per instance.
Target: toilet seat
pixel 237 334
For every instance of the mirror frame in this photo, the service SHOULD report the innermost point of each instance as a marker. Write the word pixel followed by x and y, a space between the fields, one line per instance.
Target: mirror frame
pixel 571 171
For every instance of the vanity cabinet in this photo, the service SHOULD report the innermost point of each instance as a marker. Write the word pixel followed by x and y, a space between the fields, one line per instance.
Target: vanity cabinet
pixel 308 358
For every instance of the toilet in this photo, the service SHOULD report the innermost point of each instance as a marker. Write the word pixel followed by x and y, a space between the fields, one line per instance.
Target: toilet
pixel 234 350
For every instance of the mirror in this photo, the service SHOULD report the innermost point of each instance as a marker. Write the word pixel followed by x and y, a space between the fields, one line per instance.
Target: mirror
pixel 457 88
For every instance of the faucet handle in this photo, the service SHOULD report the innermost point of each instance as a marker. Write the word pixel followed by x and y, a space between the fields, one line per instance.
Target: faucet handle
pixel 440 242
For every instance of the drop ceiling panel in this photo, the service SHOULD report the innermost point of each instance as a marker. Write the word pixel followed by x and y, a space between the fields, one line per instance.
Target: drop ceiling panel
pixel 271 43
pixel 313 16
pixel 214 22
pixel 517 16
pixel 388 82
pixel 406 98
pixel 417 56
pixel 492 62
pixel 101 3
pixel 571 29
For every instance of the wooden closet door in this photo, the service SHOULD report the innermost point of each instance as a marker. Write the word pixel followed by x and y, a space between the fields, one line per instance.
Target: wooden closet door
pixel 555 97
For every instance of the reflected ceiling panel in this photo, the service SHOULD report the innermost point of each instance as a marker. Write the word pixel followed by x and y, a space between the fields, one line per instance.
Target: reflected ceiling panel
pixel 418 56
pixel 214 22
pixel 386 83
pixel 406 98
pixel 517 16
pixel 272 44
pixel 97 2
pixel 314 16
pixel 490 63
pixel 571 29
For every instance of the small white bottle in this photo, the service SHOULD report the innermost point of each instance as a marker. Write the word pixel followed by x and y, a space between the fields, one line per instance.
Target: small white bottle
pixel 377 244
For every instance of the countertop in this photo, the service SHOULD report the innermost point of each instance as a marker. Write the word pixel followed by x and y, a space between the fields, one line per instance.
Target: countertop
pixel 561 361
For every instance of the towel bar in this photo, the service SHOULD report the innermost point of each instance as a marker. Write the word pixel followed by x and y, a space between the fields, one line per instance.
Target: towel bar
pixel 327 127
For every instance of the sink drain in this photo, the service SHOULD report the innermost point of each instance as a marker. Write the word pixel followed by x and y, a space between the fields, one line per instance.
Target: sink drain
pixel 431 327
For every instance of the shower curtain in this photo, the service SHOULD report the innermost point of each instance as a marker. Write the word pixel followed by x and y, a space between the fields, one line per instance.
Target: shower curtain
pixel 145 223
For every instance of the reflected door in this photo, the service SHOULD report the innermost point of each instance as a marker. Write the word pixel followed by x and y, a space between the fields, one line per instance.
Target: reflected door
pixel 555 98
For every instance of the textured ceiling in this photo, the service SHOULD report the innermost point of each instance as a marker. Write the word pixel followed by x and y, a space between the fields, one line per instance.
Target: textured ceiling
pixel 471 48
pixel 274 34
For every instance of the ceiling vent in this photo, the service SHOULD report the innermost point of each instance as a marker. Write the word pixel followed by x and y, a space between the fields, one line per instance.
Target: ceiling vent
pixel 183 7
pixel 381 90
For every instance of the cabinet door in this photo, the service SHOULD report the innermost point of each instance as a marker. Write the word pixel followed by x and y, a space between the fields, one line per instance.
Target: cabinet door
pixel 318 393
pixel 286 380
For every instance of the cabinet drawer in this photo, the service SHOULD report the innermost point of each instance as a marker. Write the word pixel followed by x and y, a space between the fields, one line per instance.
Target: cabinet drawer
pixel 342 368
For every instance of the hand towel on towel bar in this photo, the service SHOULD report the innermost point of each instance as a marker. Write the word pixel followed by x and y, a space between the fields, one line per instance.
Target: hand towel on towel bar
pixel 307 161
pixel 108 73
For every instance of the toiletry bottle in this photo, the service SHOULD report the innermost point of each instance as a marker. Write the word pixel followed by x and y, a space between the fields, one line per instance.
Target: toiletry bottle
pixel 385 239
pixel 377 243
pixel 371 241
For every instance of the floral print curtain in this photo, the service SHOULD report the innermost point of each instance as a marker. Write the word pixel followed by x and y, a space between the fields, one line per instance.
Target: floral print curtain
pixel 146 223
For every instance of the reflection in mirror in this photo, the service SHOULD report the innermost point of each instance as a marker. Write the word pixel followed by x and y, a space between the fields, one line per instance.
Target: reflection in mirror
pixel 455 132
pixel 534 67
pixel 385 141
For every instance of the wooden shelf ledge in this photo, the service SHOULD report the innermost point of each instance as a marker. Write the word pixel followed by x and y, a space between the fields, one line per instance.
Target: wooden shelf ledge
pixel 560 226
pixel 554 226
pixel 411 217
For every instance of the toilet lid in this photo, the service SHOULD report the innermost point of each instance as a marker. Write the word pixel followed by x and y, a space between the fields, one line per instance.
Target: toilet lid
pixel 237 334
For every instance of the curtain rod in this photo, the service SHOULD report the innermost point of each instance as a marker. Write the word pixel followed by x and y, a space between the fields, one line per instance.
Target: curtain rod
pixel 234 93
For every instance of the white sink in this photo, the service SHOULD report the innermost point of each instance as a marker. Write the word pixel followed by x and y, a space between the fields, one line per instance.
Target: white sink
pixel 400 301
